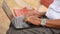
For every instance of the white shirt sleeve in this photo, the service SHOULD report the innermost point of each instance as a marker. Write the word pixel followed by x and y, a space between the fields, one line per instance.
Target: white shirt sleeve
pixel 53 11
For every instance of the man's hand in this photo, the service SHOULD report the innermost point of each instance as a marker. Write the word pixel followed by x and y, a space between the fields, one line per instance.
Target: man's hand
pixel 34 20
pixel 32 13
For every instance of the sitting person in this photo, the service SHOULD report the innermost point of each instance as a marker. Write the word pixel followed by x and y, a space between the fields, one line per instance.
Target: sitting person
pixel 52 14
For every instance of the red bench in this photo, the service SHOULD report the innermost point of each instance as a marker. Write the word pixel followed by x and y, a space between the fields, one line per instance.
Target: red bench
pixel 46 2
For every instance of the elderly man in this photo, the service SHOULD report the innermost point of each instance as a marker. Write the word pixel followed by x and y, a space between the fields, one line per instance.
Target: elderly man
pixel 52 14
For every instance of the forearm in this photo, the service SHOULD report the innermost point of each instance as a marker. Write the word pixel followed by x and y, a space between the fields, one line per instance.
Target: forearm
pixel 53 23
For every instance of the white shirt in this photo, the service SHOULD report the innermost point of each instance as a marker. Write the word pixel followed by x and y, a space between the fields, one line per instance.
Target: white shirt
pixel 53 11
